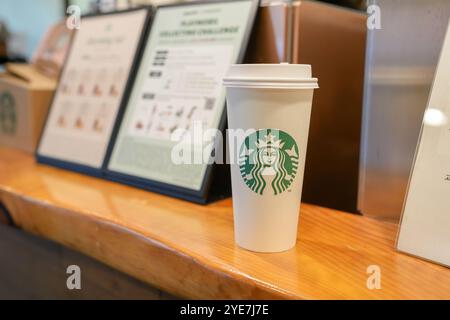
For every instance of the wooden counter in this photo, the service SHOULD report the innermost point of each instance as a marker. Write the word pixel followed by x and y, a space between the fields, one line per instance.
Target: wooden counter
pixel 188 250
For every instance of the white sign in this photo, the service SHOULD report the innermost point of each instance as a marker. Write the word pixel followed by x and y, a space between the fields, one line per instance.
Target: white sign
pixel 425 228
pixel 86 103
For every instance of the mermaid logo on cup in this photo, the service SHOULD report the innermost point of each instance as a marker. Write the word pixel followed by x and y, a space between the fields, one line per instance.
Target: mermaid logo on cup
pixel 269 159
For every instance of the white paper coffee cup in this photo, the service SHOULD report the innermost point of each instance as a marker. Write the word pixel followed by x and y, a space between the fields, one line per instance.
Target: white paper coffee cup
pixel 272 103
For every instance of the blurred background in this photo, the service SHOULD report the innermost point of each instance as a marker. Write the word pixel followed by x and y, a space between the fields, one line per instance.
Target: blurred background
pixel 23 23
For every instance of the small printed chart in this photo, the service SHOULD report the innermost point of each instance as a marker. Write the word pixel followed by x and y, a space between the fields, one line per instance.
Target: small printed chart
pixel 182 87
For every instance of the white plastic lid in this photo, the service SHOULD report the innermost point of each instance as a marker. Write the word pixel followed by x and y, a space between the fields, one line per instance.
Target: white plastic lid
pixel 277 76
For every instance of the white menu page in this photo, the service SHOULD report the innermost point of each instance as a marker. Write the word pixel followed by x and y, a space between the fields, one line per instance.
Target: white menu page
pixel 85 106
pixel 425 228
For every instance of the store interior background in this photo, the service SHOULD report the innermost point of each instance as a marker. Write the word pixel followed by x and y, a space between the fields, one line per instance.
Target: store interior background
pixel 370 133
pixel 27 21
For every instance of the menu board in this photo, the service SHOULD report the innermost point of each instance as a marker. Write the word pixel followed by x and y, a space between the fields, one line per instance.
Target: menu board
pixel 91 89
pixel 188 52
pixel 425 227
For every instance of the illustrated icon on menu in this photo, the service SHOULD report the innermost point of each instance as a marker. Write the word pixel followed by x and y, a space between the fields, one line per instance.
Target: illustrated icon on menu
pixel 62 121
pixel 117 79
pixel 97 91
pixel 79 123
pixel 98 125
pixel 113 92
pixel 139 125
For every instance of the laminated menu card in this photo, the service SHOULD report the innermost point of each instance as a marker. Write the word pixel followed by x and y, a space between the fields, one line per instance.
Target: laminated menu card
pixel 178 88
pixel 91 90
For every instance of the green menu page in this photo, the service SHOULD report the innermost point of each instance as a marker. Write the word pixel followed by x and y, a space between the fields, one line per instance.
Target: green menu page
pixel 179 86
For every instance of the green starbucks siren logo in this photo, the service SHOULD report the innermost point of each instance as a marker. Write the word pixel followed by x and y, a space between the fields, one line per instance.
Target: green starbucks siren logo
pixel 269 157
pixel 8 117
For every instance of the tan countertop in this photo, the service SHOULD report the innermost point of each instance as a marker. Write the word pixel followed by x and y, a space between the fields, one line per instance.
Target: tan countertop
pixel 188 250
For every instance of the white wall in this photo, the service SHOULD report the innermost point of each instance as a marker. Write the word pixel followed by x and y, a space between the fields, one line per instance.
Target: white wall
pixel 28 20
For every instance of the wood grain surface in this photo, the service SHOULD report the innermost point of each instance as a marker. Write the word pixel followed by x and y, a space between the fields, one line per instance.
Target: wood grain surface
pixel 188 250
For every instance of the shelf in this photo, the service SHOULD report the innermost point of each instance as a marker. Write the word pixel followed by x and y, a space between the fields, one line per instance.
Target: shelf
pixel 188 250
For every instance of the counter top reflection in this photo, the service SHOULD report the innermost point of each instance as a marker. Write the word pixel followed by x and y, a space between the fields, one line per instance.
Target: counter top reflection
pixel 188 250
